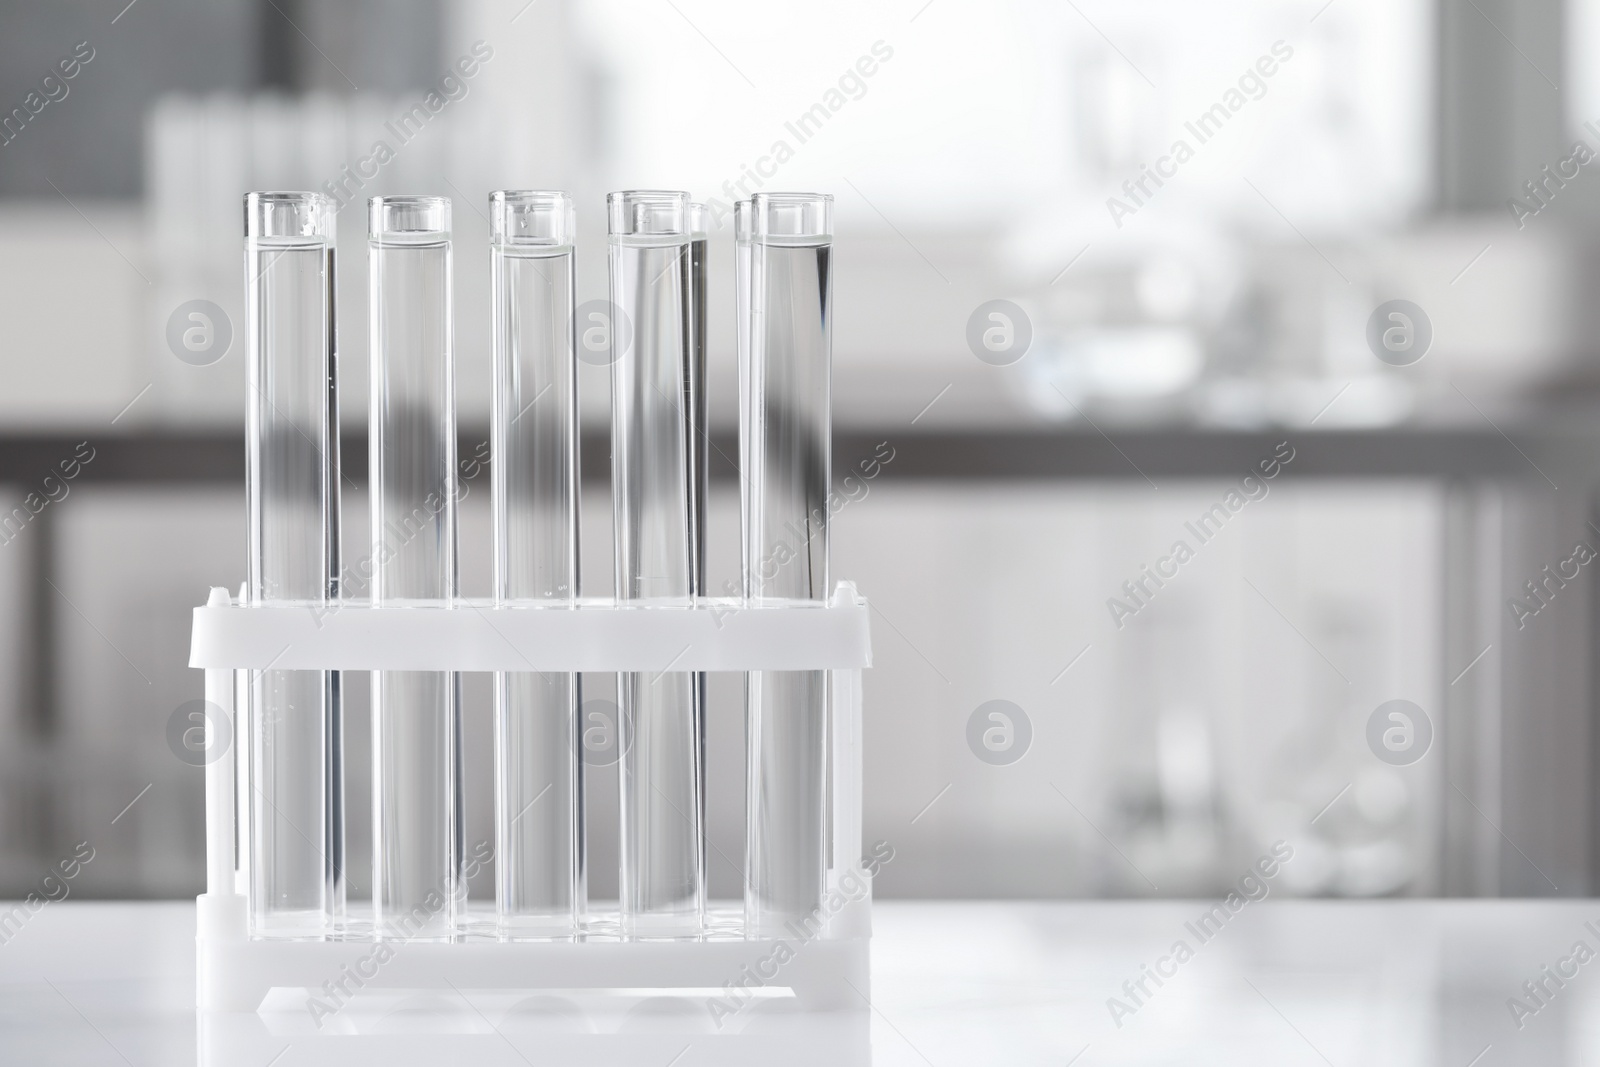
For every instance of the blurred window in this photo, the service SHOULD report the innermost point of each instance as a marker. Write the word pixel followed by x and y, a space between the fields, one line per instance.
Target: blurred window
pixel 970 111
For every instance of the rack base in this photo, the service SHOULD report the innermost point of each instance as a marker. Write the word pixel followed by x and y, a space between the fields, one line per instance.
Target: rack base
pixel 492 1029
pixel 725 976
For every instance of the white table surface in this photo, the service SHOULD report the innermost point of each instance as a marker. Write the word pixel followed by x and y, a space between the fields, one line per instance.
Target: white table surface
pixel 1314 983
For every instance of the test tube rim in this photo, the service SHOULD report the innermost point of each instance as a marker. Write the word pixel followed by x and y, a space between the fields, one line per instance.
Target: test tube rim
pixel 318 223
pixel 381 231
pixel 620 225
pixel 761 230
pixel 501 199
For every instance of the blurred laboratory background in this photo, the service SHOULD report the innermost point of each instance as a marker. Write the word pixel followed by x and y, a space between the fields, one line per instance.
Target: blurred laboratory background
pixel 1197 217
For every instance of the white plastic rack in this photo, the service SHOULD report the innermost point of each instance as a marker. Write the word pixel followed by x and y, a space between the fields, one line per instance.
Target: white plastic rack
pixel 825 966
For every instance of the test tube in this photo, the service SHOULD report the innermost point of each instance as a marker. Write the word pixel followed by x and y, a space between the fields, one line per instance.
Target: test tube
pixel 788 446
pixel 416 718
pixel 656 499
pixel 296 838
pixel 539 856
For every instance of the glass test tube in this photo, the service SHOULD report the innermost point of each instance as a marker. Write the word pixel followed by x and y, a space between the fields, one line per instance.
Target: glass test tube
pixel 788 435
pixel 539 856
pixel 296 836
pixel 416 723
pixel 656 500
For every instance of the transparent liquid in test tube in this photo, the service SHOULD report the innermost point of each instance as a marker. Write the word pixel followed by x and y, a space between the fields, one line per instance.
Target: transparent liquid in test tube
pixel 699 428
pixel 416 724
pixel 295 839
pixel 657 498
pixel 787 450
pixel 741 306
pixel 539 856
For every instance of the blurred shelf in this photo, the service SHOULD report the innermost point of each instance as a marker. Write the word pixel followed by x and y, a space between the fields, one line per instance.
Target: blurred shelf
pixel 1185 453
pixel 171 458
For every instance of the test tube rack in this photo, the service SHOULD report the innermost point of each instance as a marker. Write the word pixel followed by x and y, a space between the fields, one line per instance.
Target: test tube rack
pixel 824 967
